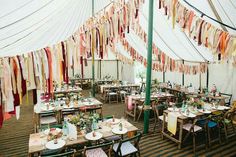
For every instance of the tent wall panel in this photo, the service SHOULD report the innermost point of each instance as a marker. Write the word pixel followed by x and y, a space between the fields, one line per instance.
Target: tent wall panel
pixel 222 75
pixel 157 75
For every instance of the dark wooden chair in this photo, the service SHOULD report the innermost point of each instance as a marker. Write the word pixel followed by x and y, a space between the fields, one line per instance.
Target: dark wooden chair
pixel 128 146
pixel 100 150
pixel 194 129
pixel 228 98
pixel 158 110
pixel 63 154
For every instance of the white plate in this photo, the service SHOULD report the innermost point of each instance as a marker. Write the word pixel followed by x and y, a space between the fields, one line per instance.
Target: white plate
pixel 90 136
pixel 71 106
pixel 46 132
pixel 206 111
pixel 50 108
pixel 117 130
pixel 51 145
pixel 172 109
pixel 191 115
pixel 220 108
pixel 116 121
pixel 87 103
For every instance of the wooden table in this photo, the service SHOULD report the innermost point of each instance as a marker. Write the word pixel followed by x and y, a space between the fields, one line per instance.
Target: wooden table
pixel 69 90
pixel 35 140
pixel 180 121
pixel 139 100
pixel 81 81
pixel 94 104
pixel 105 88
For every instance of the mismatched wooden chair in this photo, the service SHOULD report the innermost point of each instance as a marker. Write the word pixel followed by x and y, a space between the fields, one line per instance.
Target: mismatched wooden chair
pixel 193 129
pixel 61 154
pixel 128 146
pixel 228 98
pixel 100 150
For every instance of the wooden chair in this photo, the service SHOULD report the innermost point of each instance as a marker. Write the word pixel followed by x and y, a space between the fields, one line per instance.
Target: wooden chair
pixel 194 129
pixel 158 110
pixel 100 150
pixel 126 147
pixel 228 98
pixel 227 121
pixel 46 118
pixel 123 92
pixel 212 125
pixel 63 154
pixel 112 94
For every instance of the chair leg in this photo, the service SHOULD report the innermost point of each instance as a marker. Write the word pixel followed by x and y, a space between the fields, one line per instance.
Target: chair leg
pixel 117 99
pixel 209 137
pixel 219 135
pixel 140 114
pixel 194 144
pixel 226 134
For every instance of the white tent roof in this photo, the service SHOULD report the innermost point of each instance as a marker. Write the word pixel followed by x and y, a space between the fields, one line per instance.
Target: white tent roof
pixel 29 25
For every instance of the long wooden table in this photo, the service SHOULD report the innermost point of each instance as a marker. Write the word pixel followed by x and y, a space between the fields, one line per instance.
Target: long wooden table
pixel 180 121
pixel 140 99
pixel 36 139
pixel 85 105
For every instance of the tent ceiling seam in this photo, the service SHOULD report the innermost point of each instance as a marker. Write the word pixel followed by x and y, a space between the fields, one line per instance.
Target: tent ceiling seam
pixel 25 4
pixel 32 25
pixel 162 39
pixel 216 14
pixel 183 43
pixel 22 37
pixel 27 15
pixel 221 23
pixel 225 13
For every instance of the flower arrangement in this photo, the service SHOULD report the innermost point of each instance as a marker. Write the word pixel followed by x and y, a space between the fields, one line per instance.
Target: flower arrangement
pixel 54 134
pixel 83 121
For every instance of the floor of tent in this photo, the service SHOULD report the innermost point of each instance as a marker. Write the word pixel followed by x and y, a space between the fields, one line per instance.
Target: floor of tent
pixel 14 138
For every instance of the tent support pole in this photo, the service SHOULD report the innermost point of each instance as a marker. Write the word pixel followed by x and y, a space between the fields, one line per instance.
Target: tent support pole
pixel 207 79
pixel 93 82
pixel 183 76
pixel 117 69
pixel 149 69
pixel 82 67
pixel 164 77
pixel 100 69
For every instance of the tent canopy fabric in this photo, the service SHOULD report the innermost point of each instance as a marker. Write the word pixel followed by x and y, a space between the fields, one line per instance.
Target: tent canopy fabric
pixel 30 25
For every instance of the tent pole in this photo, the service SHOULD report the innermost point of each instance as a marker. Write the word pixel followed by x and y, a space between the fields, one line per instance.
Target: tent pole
pixel 207 79
pixel 164 77
pixel 149 69
pixel 100 69
pixel 183 76
pixel 82 66
pixel 117 69
pixel 93 87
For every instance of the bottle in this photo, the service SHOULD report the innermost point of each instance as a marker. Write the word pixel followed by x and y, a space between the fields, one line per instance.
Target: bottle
pixel 65 128
pixel 120 126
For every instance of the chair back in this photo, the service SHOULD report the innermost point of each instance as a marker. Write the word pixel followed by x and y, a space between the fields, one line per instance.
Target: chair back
pixel 228 98
pixel 107 146
pixel 135 139
pixel 65 154
pixel 160 108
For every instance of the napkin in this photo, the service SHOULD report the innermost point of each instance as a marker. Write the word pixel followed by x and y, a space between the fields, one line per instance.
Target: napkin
pixel 172 122
pixel 72 131
pixel 130 103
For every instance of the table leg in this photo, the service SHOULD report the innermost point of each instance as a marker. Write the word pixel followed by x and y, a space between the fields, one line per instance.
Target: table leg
pixel 163 125
pixel 180 134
